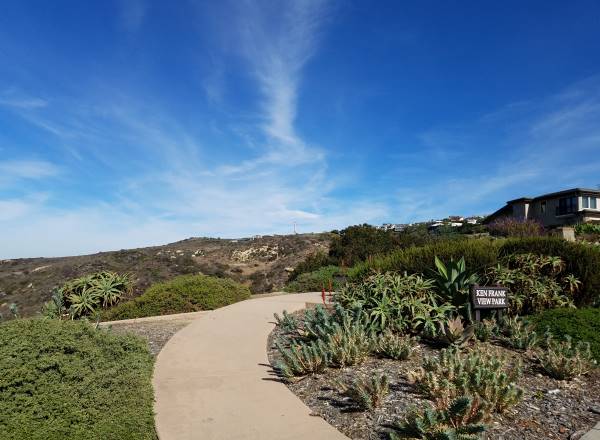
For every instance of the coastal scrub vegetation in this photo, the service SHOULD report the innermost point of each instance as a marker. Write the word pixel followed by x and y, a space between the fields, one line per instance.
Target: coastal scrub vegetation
pixel 66 380
pixel 417 300
pixel 186 293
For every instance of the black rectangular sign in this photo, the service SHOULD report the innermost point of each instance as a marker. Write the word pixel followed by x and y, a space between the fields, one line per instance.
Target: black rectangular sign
pixel 485 297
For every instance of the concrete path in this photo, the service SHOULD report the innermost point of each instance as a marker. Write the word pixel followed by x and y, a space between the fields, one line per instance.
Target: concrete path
pixel 594 434
pixel 212 380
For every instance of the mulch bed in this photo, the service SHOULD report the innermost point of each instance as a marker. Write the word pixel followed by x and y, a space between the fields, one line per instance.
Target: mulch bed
pixel 550 409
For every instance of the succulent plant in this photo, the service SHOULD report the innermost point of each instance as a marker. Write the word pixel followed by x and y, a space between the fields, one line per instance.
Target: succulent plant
pixel 564 360
pixel 393 346
pixel 367 393
pixel 462 419
pixel 302 359
pixel 482 373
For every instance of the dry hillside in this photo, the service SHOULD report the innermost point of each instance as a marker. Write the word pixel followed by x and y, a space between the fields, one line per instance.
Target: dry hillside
pixel 262 263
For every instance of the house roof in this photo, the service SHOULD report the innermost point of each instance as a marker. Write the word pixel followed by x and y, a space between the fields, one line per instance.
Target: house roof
pixel 505 210
pixel 574 191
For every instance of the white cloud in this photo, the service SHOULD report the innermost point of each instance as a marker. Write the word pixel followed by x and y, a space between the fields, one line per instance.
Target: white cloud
pixel 170 191
pixel 12 171
pixel 277 46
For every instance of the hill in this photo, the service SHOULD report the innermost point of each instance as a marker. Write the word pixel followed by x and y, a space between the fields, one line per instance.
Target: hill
pixel 262 263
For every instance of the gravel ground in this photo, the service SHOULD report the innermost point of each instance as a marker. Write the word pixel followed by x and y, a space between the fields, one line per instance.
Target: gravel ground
pixel 550 409
pixel 157 333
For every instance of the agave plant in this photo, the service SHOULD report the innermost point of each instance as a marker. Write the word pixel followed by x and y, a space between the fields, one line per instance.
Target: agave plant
pixel 454 332
pixel 453 281
pixel 110 287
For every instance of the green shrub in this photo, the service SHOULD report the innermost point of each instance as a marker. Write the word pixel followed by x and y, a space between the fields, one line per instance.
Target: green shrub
pixel 478 254
pixel 461 419
pixel 357 243
pixel 535 282
pixel 65 380
pixel 397 302
pixel 587 228
pixel 312 263
pixel 582 325
pixel 186 293
pixel 581 259
pixel 325 277
pixel 514 227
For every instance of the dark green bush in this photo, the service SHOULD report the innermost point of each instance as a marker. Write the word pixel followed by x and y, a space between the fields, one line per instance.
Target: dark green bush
pixel 581 324
pixel 317 280
pixel 581 260
pixel 587 228
pixel 312 263
pixel 186 293
pixel 357 243
pixel 478 253
pixel 66 380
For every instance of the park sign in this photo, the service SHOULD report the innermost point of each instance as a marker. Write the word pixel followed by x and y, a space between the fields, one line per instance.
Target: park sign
pixel 486 297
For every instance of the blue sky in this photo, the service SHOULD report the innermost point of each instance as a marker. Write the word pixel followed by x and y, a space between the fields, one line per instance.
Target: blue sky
pixel 130 123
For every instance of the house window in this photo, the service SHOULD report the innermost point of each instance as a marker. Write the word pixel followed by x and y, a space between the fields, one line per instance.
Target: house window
pixel 566 205
pixel 543 207
pixel 589 202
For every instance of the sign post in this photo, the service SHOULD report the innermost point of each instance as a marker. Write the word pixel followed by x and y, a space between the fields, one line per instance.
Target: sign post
pixel 488 297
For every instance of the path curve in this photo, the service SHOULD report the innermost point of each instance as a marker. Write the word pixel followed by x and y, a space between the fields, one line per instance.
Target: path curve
pixel 209 380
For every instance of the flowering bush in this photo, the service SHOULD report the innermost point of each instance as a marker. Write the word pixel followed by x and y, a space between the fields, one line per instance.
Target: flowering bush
pixel 513 227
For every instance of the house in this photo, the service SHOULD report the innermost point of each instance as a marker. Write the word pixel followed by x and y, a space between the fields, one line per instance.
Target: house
pixel 569 207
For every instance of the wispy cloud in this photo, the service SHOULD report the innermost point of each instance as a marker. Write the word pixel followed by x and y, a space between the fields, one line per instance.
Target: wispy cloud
pixel 12 98
pixel 539 146
pixel 12 171
pixel 174 188
pixel 277 44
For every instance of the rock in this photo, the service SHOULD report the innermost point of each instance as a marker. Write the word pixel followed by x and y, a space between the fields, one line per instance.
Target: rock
pixel 289 269
pixel 594 409
pixel 576 435
pixel 30 286
pixel 554 391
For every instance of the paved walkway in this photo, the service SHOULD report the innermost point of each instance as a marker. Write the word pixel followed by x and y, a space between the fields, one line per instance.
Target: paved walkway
pixel 594 434
pixel 212 380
